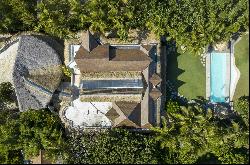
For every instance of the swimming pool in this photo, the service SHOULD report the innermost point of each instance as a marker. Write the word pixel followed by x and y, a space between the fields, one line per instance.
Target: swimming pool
pixel 219 82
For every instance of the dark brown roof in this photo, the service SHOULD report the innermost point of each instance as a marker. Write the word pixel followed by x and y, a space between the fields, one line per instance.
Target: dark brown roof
pixel 135 116
pixel 132 112
pixel 147 47
pixel 127 123
pixel 126 107
pixel 148 125
pixel 100 52
pixel 88 41
pixel 81 53
pixel 129 55
pixel 112 114
pixel 155 93
pixel 155 79
pixel 116 59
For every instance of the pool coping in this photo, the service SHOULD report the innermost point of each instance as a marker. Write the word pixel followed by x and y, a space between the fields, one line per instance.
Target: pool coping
pixel 208 74
pixel 208 67
pixel 231 63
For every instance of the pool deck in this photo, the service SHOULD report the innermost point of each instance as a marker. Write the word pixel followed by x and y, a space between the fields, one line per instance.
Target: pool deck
pixel 228 74
pixel 208 75
pixel 233 87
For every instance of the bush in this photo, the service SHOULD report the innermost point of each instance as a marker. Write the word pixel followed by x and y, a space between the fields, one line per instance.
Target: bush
pixel 6 92
pixel 117 146
pixel 67 72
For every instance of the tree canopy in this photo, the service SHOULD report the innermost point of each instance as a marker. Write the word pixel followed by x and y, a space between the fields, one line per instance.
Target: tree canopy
pixel 10 151
pixel 112 147
pixel 195 25
pixel 17 15
pixel 190 132
pixel 6 92
pixel 192 25
pixel 29 132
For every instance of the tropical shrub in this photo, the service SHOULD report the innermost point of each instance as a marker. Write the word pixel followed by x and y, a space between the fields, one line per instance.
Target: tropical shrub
pixel 192 25
pixel 40 130
pixel 196 25
pixel 53 17
pixel 17 15
pixel 10 150
pixel 191 133
pixel 29 132
pixel 6 92
pixel 113 146
pixel 241 106
pixel 67 72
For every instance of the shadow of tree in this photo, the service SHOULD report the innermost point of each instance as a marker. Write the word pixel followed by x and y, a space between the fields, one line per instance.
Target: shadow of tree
pixel 244 98
pixel 173 72
pixel 208 158
pixel 201 100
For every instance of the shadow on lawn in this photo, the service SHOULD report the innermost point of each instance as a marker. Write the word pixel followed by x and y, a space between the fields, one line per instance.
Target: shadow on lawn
pixel 173 72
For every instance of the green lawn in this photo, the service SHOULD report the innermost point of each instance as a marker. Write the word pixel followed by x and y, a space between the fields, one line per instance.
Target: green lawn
pixel 241 52
pixel 186 72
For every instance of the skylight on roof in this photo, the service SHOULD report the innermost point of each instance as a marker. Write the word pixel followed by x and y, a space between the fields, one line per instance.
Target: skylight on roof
pixel 111 84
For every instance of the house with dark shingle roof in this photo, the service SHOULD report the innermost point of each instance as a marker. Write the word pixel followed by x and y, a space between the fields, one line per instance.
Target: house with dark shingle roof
pixel 129 80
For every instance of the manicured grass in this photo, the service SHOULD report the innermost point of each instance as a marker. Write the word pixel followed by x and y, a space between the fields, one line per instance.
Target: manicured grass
pixel 241 52
pixel 187 74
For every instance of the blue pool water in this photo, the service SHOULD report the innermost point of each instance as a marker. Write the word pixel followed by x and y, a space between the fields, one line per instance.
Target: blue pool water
pixel 218 85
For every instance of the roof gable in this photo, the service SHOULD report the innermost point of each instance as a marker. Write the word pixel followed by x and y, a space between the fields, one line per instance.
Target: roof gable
pixel 126 107
pixel 112 114
pixel 155 93
pixel 135 116
pixel 127 123
pixel 155 79
pixel 88 41
pixel 147 47
pixel 148 126
pixel 81 53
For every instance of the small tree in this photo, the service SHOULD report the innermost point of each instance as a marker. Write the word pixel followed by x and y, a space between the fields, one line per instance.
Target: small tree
pixel 41 130
pixel 10 148
pixel 117 146
pixel 241 106
pixel 6 92
pixel 30 132
pixel 191 132
pixel 66 71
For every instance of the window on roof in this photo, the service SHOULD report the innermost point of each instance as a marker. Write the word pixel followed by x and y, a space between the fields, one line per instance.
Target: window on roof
pixel 111 84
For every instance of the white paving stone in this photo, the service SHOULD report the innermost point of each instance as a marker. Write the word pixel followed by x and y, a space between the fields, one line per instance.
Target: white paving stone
pixel 88 113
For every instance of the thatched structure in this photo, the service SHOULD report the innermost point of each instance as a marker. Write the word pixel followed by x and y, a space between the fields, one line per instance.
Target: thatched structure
pixel 36 73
